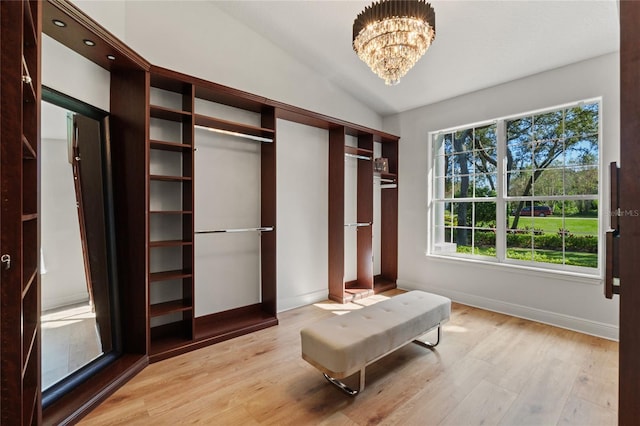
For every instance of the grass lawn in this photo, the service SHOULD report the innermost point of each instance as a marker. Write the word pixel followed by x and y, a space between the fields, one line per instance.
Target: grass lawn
pixel 589 260
pixel 551 224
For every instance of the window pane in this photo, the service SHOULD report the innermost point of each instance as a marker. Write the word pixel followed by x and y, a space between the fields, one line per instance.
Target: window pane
pixel 519 183
pixel 461 214
pixel 485 138
pixel 581 180
pixel 520 157
pixel 463 140
pixel 463 163
pixel 550 182
pixel 448 143
pixel 484 242
pixel 486 161
pixel 519 245
pixel 580 233
pixel 462 186
pixel 485 215
pixel 519 131
pixel 485 185
pixel 581 120
pixel 548 126
pixel 582 151
pixel 462 237
pixel 548 153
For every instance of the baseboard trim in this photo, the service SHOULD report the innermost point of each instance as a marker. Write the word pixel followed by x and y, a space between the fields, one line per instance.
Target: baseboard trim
pixel 302 300
pixel 594 328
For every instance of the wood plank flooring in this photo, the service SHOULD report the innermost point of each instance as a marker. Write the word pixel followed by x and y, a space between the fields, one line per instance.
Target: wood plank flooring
pixel 489 369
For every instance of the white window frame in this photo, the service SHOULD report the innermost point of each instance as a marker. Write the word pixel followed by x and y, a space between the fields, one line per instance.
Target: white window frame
pixel 502 199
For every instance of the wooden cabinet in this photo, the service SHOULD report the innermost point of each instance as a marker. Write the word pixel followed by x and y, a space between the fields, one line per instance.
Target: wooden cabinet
pixel 363 151
pixel 19 219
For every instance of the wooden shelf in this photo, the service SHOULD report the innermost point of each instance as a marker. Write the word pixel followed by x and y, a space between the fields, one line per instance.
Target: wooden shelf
pixel 358 151
pixel 27 149
pixel 185 212
pixel 230 126
pixel 235 322
pixel 170 146
pixel 381 283
pixel 29 217
pixel 170 178
pixel 29 283
pixel 165 308
pixel 169 275
pixel 169 243
pixel 169 114
pixel 168 337
pixel 29 337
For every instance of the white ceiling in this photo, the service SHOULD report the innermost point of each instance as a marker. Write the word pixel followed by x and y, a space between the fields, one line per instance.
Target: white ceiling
pixel 478 43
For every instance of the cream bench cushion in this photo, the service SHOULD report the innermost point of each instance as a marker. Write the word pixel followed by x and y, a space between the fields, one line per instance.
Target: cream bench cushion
pixel 343 345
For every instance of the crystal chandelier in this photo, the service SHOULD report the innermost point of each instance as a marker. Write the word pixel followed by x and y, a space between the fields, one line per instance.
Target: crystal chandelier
pixel 391 35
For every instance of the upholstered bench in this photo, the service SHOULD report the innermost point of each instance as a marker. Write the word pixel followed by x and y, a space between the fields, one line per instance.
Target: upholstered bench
pixel 343 345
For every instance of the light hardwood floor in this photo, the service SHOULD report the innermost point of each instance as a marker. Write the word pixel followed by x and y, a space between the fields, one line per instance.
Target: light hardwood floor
pixel 488 369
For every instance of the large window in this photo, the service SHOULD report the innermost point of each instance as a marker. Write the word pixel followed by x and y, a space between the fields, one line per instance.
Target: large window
pixel 521 190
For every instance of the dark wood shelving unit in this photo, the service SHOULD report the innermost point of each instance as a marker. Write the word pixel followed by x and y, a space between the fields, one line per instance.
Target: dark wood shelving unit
pixel 169 275
pixel 20 152
pixel 388 276
pixel 170 339
pixel 169 146
pixel 175 316
pixel 365 283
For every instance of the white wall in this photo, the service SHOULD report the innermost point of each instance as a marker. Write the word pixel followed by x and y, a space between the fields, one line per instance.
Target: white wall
pixel 569 302
pixel 302 205
pixel 63 282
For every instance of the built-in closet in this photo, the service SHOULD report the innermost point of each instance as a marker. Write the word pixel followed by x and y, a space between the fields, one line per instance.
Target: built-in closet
pixel 363 218
pixel 211 214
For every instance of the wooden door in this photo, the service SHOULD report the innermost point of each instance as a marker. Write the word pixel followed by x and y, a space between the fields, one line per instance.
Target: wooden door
pixel 629 221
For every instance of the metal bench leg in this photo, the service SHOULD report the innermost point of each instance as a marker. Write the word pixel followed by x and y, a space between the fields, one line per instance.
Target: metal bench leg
pixel 428 344
pixel 343 387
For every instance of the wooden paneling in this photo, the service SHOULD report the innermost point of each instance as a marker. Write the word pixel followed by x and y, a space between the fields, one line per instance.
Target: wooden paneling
pixel 336 213
pixel 629 199
pixel 129 124
pixel 268 215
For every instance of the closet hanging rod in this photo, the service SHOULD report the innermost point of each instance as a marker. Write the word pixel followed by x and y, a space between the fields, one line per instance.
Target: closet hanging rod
pixel 238 134
pixel 359 157
pixel 220 231
pixel 357 224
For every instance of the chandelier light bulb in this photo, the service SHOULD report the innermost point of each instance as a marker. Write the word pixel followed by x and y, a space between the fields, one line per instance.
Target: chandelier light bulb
pixel 390 36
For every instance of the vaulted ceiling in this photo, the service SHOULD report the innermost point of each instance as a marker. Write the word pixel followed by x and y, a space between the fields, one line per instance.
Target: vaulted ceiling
pixel 478 43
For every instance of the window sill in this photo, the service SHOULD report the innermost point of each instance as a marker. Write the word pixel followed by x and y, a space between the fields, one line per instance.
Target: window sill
pixel 582 278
